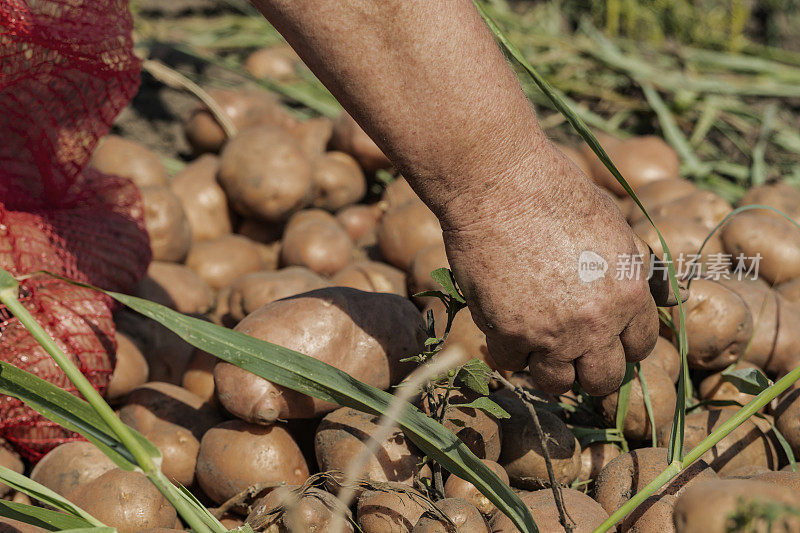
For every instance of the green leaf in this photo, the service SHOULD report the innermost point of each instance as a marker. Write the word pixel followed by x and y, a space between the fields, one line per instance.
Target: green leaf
pixel 747 380
pixel 787 448
pixel 432 294
pixel 588 435
pixel 475 375
pixel 69 411
pixel 39 492
pixel 486 405
pixel 648 405
pixel 310 376
pixel 40 517
pixel 444 277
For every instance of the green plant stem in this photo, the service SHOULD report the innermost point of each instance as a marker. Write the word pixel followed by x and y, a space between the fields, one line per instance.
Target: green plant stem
pixel 676 467
pixel 9 294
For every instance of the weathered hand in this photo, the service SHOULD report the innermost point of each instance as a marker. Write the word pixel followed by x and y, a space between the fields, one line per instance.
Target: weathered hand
pixel 517 257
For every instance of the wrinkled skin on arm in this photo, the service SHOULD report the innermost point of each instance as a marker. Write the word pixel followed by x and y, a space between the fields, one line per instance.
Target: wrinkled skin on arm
pixel 427 82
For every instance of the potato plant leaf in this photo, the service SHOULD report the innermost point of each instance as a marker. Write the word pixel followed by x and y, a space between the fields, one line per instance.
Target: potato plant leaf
pixel 747 380
pixel 40 517
pixel 588 435
pixel 486 405
pixel 475 375
pixel 445 278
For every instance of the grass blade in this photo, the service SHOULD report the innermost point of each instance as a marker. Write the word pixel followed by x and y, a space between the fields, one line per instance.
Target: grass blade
pixel 623 402
pixel 648 404
pixel 40 517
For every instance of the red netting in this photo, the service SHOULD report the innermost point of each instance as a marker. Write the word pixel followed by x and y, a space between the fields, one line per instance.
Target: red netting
pixel 66 69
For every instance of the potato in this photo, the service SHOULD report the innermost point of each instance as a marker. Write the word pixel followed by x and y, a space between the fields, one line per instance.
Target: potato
pixel 790 290
pixel 177 287
pixel 661 389
pixel 787 419
pixel 405 230
pixel 222 260
pixel 640 160
pixel 71 466
pixel 781 196
pixel 702 207
pixel 235 455
pixel 9 525
pixel 398 192
pixel 313 135
pixel 656 193
pixel 123 157
pixel 718 325
pixel 362 333
pixel 311 509
pixel 130 372
pixel 585 513
pixel 461 513
pixel 748 444
pixel 455 487
pixel 726 497
pixel 653 515
pixel 166 223
pixel 348 137
pixel 787 479
pixel 372 276
pixel 775 239
pixel 203 200
pixel 594 457
pixel 251 291
pixel 763 306
pixel 278 62
pixel 245 109
pixel 343 435
pixel 265 174
pixel 629 473
pixel 714 388
pixel 199 376
pixel 521 455
pixel 360 221
pixel 127 501
pixel 11 460
pixel 384 511
pixel 684 238
pixel 337 181
pixel 321 245
pixel 786 354
pixel 179 449
pixel 425 261
pixel 477 429
pixel 666 356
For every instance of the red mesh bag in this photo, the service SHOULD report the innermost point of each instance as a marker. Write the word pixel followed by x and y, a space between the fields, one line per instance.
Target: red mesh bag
pixel 66 69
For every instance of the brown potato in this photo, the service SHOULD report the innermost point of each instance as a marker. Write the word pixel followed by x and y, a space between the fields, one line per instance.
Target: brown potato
pixel 398 193
pixel 629 473
pixel 521 455
pixel 71 466
pixel 203 200
pixel 319 244
pixel 653 515
pixel 313 135
pixel 337 181
pixel 714 388
pixel 684 238
pixel 389 511
pixel 130 372
pixel 763 306
pixel 179 449
pixel 787 419
pixel 477 429
pixel 360 221
pixel 405 230
pixel 718 325
pixel 123 157
pixel 343 435
pixel 727 496
pixel 372 276
pixel 656 193
pixel 166 223
pixel 782 196
pixel 127 501
pixel 585 513
pixel 640 160
pixel 348 137
pixel 776 240
pixel 748 444
pixel 362 333
pixel 11 460
pixel 245 109
pixel 425 261
pixel 256 289
pixel 455 487
pixel 790 290
pixel 278 62
pixel 786 354
pixel 666 356
pixel 265 174
pixel 702 207
pixel 785 478
pixel 661 389
pixel 199 376
pixel 234 455
pixel 595 457
pixel 309 510
pixel 461 513
pixel 222 260
pixel 177 287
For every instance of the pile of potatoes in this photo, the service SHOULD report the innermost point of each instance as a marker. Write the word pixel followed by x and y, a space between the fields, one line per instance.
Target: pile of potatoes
pixel 283 232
